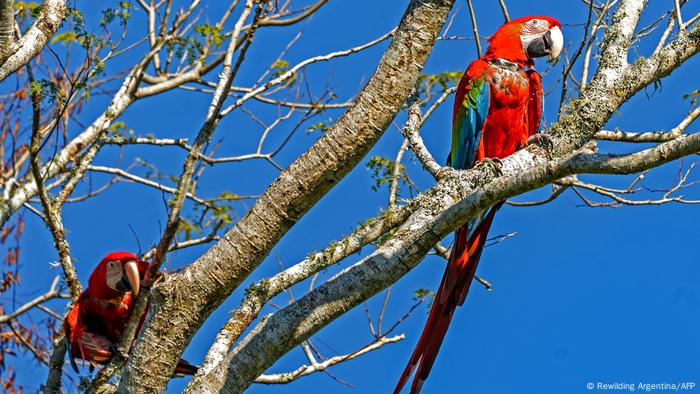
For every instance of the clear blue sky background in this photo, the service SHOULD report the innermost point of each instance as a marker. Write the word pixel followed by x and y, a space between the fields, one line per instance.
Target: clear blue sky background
pixel 580 294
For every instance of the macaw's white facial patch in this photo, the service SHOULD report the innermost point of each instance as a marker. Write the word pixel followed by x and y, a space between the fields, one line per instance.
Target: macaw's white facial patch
pixel 114 274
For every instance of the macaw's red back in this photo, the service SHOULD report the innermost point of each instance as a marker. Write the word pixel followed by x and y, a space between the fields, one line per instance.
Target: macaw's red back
pixel 498 105
pixel 97 321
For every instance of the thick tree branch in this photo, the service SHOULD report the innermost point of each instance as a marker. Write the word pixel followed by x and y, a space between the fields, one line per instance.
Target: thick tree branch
pixel 7 28
pixel 34 40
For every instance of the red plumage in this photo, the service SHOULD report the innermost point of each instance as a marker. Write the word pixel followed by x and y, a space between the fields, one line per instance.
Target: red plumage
pixel 512 116
pixel 97 321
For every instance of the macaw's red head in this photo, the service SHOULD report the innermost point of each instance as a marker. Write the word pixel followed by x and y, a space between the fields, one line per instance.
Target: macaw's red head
pixel 523 39
pixel 116 274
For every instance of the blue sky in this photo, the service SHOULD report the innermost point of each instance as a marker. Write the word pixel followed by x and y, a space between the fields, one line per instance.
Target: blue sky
pixel 580 294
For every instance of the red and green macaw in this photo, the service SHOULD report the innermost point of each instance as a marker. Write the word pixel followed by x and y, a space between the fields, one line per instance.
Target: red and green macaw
pixel 498 106
pixel 97 321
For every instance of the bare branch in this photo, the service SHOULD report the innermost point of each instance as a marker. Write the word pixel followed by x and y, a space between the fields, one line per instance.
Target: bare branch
pixel 281 378
pixel 505 10
pixel 49 295
pixel 411 132
pixel 395 174
pixel 474 28
pixel 271 21
pixel 650 136
pixel 679 16
pixel 292 71
pixel 135 178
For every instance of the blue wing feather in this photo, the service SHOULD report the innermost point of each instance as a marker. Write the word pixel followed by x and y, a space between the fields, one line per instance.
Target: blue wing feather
pixel 469 123
pixel 467 130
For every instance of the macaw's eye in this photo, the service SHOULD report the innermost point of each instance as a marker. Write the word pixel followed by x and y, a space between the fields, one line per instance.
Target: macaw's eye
pixel 535 22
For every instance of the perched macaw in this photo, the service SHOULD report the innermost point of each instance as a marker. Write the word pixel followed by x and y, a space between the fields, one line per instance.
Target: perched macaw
pixel 97 321
pixel 497 108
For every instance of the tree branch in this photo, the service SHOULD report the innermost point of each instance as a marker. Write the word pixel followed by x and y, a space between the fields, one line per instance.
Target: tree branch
pixel 282 378
pixel 34 40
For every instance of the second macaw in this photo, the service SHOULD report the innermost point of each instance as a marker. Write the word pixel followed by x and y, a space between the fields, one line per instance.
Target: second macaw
pixel 497 108
pixel 97 321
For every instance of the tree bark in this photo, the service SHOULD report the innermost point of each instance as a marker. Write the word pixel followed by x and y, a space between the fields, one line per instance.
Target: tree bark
pixel 34 40
pixel 7 28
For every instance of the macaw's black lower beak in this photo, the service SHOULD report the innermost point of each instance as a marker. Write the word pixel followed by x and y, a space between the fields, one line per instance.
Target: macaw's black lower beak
pixel 131 280
pixel 123 285
pixel 540 46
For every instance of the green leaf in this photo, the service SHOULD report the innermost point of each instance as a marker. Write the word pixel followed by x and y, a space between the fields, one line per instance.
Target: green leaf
pixel 65 38
pixel 280 67
pixel 318 126
pixel 27 8
pixel 188 228
pixel 382 170
pixel 423 293
pixel 46 90
pixel 428 82
pixel 210 32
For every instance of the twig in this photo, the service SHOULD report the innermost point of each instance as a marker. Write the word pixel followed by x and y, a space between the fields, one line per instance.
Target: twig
pixel 410 132
pixel 395 174
pixel 653 136
pixel 49 295
pixel 505 10
pixel 304 370
pixel 292 71
pixel 475 28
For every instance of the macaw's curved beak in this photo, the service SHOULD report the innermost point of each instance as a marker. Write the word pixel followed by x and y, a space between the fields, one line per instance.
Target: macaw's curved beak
pixel 131 272
pixel 551 43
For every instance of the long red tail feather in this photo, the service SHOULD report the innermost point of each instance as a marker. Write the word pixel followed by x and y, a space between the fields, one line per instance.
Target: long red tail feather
pixel 454 287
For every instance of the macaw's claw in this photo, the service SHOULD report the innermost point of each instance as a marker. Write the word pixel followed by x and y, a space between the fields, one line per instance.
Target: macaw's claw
pixel 494 164
pixel 444 172
pixel 116 350
pixel 541 139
